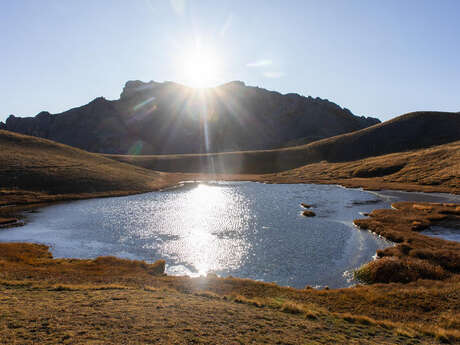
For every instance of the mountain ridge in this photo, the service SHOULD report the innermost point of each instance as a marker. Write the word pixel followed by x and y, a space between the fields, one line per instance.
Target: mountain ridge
pixel 169 118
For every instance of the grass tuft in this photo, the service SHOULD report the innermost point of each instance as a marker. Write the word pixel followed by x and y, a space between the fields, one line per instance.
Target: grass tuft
pixel 398 270
pixel 207 294
pixel 250 301
pixel 360 319
pixel 292 308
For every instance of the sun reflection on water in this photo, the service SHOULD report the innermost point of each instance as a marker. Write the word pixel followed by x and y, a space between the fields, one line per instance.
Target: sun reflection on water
pixel 206 224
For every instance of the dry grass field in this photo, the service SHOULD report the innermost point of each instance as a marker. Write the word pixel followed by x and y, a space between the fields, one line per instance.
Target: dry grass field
pixel 123 315
pixel 435 169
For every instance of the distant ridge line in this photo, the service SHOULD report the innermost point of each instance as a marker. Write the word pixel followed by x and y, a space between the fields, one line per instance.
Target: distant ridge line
pixel 169 118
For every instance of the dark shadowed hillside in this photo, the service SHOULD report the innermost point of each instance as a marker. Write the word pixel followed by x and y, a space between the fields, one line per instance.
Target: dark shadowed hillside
pixel 407 132
pixel 167 118
pixel 45 169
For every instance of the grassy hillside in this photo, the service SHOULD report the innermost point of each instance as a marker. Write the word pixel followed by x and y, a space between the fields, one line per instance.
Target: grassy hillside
pixel 407 132
pixel 432 169
pixel 34 169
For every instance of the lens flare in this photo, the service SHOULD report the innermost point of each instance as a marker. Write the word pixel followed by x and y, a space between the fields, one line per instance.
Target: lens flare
pixel 201 68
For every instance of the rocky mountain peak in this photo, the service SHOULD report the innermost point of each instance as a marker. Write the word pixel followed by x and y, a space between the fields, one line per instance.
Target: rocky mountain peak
pixel 171 118
pixel 135 86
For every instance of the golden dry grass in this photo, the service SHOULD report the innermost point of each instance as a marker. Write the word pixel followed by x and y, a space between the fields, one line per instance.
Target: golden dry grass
pixel 47 316
pixel 19 260
pixel 435 169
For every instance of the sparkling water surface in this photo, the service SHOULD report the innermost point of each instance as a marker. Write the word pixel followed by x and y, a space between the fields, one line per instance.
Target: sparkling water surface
pixel 243 229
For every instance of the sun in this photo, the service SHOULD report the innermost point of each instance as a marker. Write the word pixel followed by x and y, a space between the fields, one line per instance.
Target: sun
pixel 201 68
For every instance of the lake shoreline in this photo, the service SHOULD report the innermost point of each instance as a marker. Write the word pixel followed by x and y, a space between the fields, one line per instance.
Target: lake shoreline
pixel 255 220
pixel 400 308
pixel 395 307
pixel 13 215
pixel 17 201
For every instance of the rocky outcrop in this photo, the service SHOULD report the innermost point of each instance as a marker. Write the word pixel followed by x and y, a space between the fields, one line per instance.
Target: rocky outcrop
pixel 165 118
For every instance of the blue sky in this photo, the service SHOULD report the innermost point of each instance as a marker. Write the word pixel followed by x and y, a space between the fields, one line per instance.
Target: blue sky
pixel 377 58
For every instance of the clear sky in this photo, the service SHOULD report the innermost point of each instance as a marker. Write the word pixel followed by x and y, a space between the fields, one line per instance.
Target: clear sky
pixel 377 58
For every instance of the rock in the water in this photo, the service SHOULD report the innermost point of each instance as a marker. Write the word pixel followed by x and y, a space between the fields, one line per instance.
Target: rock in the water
pixel 308 213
